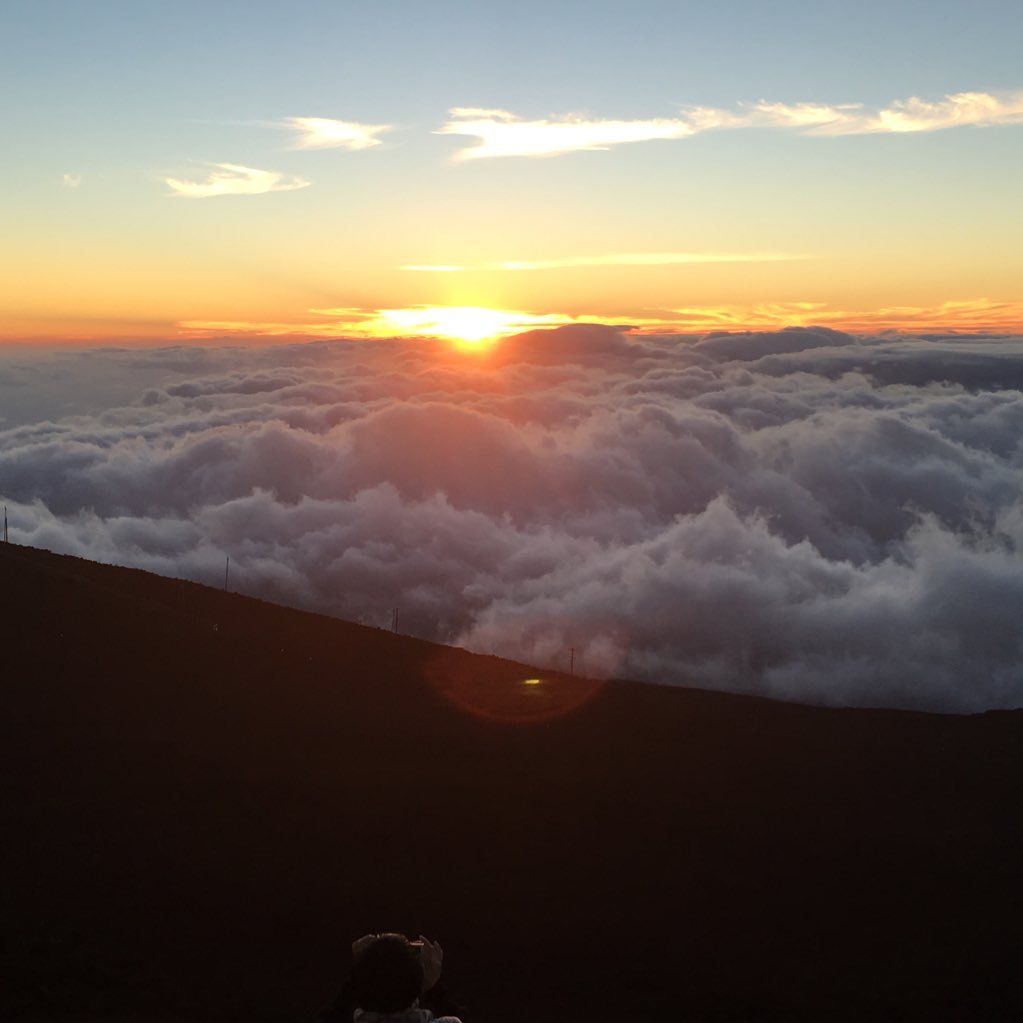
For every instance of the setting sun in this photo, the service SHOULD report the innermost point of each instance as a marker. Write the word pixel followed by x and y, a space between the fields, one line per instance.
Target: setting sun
pixel 468 324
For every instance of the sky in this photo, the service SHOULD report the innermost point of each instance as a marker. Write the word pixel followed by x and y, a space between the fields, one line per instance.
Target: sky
pixel 252 170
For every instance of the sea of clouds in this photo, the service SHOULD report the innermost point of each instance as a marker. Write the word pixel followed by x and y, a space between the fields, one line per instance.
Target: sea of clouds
pixel 801 514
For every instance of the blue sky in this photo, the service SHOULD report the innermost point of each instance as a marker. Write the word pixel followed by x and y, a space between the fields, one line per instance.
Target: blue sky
pixel 254 58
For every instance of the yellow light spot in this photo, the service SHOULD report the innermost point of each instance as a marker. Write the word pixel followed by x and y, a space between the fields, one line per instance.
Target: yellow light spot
pixel 494 691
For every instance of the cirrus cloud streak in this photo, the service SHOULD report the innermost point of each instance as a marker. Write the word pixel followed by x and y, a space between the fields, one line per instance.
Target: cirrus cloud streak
pixel 235 179
pixel 501 133
pixel 623 259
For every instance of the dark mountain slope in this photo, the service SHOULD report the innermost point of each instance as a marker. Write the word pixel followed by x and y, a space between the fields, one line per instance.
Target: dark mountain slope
pixel 205 798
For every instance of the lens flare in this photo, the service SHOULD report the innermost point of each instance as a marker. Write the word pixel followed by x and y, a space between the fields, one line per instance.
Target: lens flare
pixel 493 689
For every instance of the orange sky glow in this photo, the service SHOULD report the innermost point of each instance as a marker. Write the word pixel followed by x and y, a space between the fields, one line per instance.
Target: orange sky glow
pixel 472 325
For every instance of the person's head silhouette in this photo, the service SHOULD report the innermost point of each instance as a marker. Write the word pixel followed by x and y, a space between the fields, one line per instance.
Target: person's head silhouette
pixel 387 975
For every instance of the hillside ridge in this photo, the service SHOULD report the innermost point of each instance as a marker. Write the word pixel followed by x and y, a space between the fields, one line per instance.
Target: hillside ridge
pixel 210 796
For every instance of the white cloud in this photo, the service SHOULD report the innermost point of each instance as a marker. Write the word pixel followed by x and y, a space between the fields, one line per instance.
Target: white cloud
pixel 234 179
pixel 902 116
pixel 501 133
pixel 71 180
pixel 327 133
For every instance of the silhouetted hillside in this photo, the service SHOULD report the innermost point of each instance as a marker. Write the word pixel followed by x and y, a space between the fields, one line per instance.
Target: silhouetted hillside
pixel 206 797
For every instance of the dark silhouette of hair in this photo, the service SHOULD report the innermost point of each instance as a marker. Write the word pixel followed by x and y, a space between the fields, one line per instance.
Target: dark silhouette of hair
pixel 387 976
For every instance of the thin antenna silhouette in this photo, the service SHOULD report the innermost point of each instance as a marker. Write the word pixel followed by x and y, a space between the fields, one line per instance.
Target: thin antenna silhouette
pixel 227 571
pixel 5 523
pixel 571 660
pixel 394 620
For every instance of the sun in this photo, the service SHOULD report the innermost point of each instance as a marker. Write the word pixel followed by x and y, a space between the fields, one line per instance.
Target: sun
pixel 468 325
pixel 473 324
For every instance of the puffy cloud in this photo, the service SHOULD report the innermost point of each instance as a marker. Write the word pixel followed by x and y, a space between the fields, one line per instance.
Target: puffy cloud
pixel 234 179
pixel 799 513
pixel 501 133
pixel 749 345
pixel 327 133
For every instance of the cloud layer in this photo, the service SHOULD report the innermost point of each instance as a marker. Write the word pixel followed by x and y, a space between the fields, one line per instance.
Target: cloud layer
pixel 797 513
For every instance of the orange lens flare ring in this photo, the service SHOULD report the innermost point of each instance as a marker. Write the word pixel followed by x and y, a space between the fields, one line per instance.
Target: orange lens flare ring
pixel 495 690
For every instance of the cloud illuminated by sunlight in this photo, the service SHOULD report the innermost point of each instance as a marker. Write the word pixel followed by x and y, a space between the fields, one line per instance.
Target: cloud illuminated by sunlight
pixel 901 116
pixel 975 314
pixel 71 180
pixel 501 133
pixel 472 324
pixel 327 133
pixel 234 179
pixel 504 134
pixel 460 323
pixel 619 259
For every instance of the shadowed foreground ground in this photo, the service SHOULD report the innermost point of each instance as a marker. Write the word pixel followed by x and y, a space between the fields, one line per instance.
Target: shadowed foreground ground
pixel 205 798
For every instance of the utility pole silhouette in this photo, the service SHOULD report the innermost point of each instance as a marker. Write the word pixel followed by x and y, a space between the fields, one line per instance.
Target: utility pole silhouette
pixel 394 620
pixel 571 660
pixel 5 523
pixel 227 571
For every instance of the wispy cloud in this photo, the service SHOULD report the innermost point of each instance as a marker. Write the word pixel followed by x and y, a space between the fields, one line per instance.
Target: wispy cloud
pixel 962 315
pixel 504 134
pixel 343 322
pixel 967 315
pixel 418 321
pixel 501 133
pixel 234 179
pixel 327 133
pixel 901 116
pixel 71 180
pixel 616 259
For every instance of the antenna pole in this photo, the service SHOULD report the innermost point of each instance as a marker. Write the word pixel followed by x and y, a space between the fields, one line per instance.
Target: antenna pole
pixel 394 620
pixel 571 660
pixel 227 571
pixel 5 523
